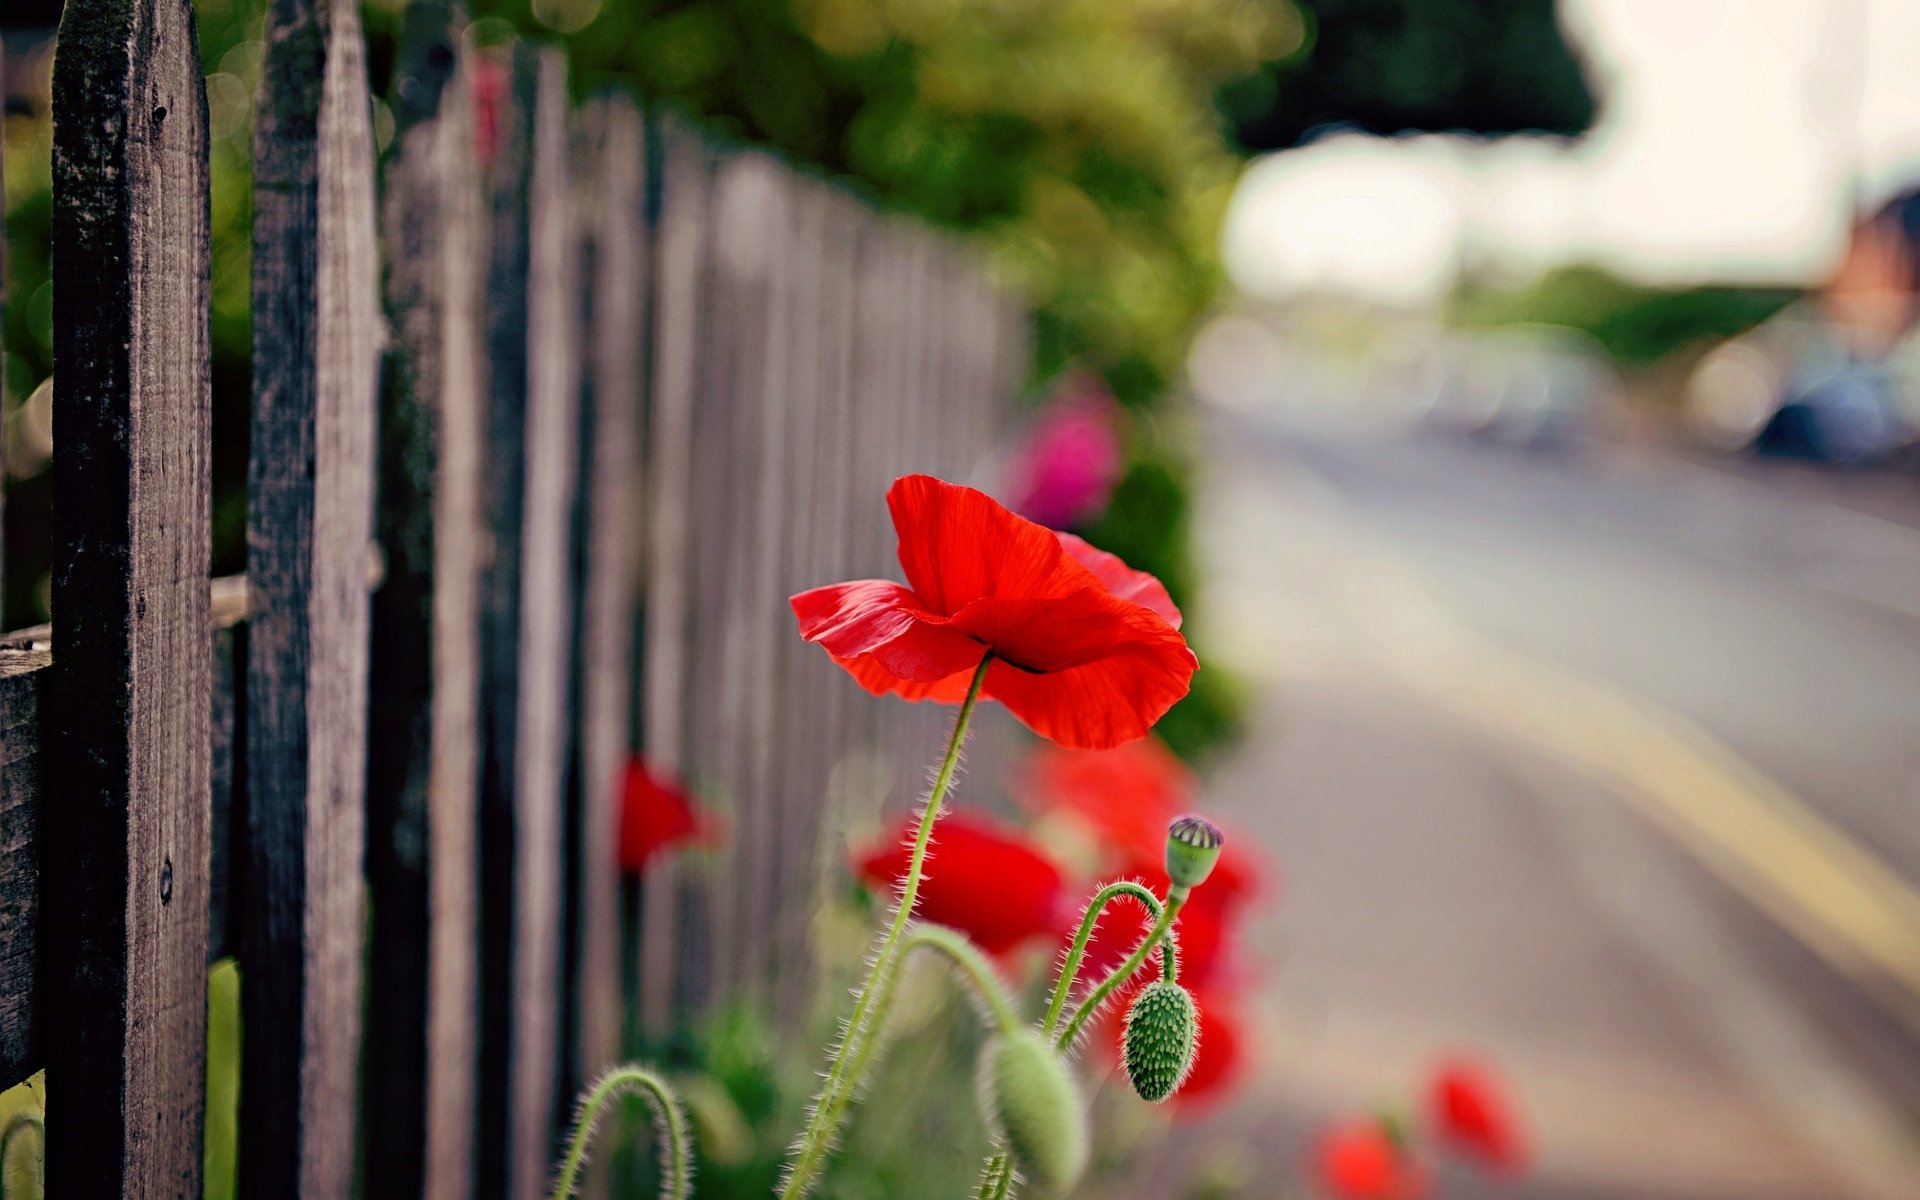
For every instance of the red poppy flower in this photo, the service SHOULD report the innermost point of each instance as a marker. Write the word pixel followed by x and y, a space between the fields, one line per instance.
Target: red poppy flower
pixel 1087 651
pixel 1471 1114
pixel 1362 1160
pixel 989 883
pixel 655 815
pixel 1125 795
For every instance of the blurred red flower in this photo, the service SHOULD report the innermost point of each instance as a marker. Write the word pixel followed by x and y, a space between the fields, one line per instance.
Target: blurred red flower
pixel 1124 796
pixel 1087 651
pixel 1362 1160
pixel 982 879
pixel 1222 1053
pixel 1065 470
pixel 1472 1115
pixel 656 815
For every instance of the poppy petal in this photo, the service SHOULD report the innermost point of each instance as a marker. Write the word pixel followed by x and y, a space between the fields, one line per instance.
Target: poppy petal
pixel 655 816
pixel 1089 670
pixel 982 878
pixel 1472 1114
pixel 1122 580
pixel 880 621
pixel 870 673
pixel 958 545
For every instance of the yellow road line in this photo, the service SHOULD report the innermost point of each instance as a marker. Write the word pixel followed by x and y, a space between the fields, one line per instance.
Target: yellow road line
pixel 1827 889
pixel 1813 879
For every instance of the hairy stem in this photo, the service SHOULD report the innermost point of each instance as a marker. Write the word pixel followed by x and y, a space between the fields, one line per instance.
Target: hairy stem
pixel 842 1080
pixel 1070 966
pixel 996 1177
pixel 1176 897
pixel 669 1122
pixel 972 964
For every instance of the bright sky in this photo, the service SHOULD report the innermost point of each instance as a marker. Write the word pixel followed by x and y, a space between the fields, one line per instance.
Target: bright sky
pixel 1735 139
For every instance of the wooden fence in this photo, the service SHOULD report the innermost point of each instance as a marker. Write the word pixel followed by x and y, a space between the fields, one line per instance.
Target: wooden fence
pixel 540 444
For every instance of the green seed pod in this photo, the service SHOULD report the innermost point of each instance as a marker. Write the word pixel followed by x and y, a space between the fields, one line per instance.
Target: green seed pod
pixel 1193 846
pixel 1031 1102
pixel 1163 1030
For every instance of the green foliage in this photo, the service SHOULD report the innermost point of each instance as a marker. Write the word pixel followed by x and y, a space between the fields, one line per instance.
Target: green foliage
pixel 1637 325
pixel 1489 67
pixel 1079 138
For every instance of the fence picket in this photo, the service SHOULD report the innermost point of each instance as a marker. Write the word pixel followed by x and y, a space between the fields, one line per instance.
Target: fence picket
pixel 679 291
pixel 608 540
pixel 123 973
pixel 310 494
pixel 21 674
pixel 423 745
pixel 533 340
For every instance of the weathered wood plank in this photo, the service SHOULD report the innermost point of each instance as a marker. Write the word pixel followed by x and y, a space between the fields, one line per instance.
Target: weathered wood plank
pixel 424 764
pixel 607 541
pixel 21 674
pixel 25 662
pixel 123 973
pixel 317 327
pixel 679 292
pixel 534 352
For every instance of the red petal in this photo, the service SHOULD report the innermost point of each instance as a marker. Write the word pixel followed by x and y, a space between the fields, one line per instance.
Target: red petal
pixel 877 621
pixel 872 675
pixel 1471 1113
pixel 1127 794
pixel 958 545
pixel 1138 587
pixel 982 879
pixel 1359 1160
pixel 1089 671
pixel 655 815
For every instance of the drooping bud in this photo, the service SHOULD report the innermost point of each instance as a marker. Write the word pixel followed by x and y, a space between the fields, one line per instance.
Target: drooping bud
pixel 1033 1105
pixel 1193 846
pixel 1163 1030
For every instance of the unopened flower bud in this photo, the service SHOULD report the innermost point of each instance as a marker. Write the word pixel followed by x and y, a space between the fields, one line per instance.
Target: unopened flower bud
pixel 1163 1030
pixel 1033 1105
pixel 1193 846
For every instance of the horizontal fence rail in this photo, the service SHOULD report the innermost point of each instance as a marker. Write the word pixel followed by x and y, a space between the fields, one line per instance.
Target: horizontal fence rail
pixel 552 408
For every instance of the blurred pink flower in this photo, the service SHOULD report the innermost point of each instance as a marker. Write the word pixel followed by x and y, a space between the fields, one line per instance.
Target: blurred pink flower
pixel 1065 471
pixel 488 87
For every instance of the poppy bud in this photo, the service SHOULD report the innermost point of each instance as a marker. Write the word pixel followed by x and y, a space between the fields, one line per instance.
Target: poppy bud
pixel 1163 1030
pixel 1033 1105
pixel 1193 846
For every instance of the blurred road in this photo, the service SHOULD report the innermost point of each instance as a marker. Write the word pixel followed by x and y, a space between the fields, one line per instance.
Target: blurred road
pixel 1598 763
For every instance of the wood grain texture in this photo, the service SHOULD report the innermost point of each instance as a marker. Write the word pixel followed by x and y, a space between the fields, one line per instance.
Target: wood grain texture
pixel 607 540
pixel 123 973
pixel 22 673
pixel 316 327
pixel 25 664
pixel 679 294
pixel 423 748
pixel 534 354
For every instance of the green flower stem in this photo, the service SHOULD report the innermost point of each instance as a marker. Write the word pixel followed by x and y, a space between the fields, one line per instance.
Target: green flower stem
pixel 811 1152
pixel 967 957
pixel 1070 967
pixel 676 1165
pixel 996 1178
pixel 1176 898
